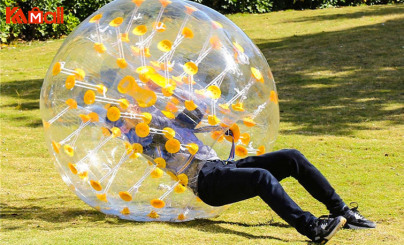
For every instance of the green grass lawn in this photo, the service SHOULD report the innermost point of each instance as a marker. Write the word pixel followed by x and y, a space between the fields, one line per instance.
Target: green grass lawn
pixel 340 76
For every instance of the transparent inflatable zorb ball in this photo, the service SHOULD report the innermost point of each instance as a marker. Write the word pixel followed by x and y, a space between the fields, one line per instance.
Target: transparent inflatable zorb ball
pixel 142 94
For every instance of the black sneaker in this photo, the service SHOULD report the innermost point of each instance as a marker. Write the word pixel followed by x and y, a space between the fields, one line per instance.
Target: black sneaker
pixel 354 219
pixel 324 228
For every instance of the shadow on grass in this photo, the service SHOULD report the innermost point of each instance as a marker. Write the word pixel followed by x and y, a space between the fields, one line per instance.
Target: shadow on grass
pixel 338 82
pixel 71 215
pixel 48 214
pixel 23 96
pixel 23 90
pixel 214 226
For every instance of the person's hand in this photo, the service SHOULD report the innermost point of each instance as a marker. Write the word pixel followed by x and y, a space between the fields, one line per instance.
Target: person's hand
pixel 131 123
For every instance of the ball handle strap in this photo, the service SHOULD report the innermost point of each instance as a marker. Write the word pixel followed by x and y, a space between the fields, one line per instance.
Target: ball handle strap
pixel 233 146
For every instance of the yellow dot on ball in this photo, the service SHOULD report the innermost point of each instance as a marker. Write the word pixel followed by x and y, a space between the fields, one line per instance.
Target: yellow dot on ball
pixel 172 145
pixel 190 105
pixel 57 68
pixel 257 74
pixel 153 214
pixel 71 103
pixel 217 25
pixel 165 2
pixel 171 107
pixel 241 151
pixel 89 97
pixel 113 114
pixel 84 118
pixel 181 217
pixel 125 211
pixel 172 175
pixel 249 122
pixel 116 22
pixel 215 42
pixel 79 74
pixel 124 104
pixel 168 114
pixel 102 197
pixel 217 135
pixel 191 68
pixel 140 30
pixel 158 79
pixel 138 2
pixel 273 97
pixel 142 130
pixel 56 147
pixel 224 106
pixel 94 117
pixel 121 62
pixel 161 163
pixel 192 148
pixel 245 138
pixel 261 150
pixel 156 173
pixel 72 168
pixel 100 48
pixel 105 131
pixel 238 106
pixel 179 188
pixel 214 92
pixel 164 45
pixel 183 178
pixel 101 89
pixel 126 196
pixel 145 70
pixel 168 90
pixel 187 33
pixel 96 185
pixel 147 117
pixel 83 175
pixel 137 148
pixel 68 150
pixel 116 132
pixel 125 37
pixel 157 203
pixel 213 120
pixel 189 9
pixel 236 133
pixel 95 18
pixel 238 47
pixel 169 133
pixel 70 82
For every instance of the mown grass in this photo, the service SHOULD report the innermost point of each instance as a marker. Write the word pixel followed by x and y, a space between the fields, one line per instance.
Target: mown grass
pixel 340 76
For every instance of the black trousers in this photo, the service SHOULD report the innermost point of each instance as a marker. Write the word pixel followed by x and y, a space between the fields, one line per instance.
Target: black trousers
pixel 220 183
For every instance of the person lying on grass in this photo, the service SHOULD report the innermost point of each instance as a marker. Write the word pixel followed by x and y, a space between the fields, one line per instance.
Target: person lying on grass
pixel 218 182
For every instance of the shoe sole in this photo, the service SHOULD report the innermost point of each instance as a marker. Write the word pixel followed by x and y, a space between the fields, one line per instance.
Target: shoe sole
pixel 354 227
pixel 336 229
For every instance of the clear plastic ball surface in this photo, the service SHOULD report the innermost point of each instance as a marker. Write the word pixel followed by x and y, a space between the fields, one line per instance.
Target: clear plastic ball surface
pixel 142 94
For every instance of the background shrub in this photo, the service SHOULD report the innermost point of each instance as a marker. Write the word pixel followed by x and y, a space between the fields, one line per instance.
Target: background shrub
pixel 76 11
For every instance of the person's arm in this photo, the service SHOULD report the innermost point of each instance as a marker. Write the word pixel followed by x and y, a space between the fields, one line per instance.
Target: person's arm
pixel 207 129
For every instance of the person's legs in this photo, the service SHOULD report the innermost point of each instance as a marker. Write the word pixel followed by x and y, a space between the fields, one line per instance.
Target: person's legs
pixel 220 184
pixel 289 162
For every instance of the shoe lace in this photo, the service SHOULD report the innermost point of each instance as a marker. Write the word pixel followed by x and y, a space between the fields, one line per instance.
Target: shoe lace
pixel 355 211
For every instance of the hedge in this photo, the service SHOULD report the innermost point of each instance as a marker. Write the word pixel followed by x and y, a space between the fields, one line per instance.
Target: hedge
pixel 76 11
